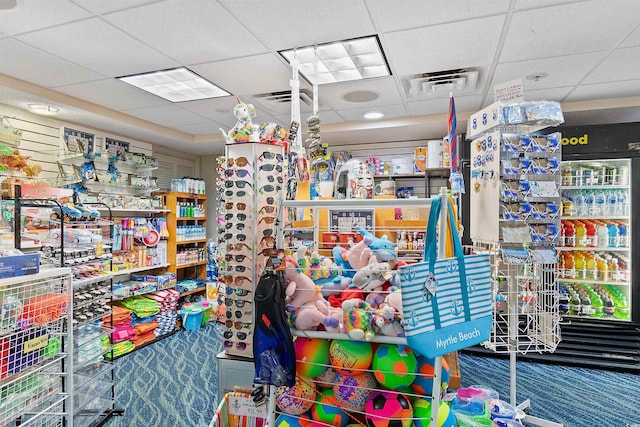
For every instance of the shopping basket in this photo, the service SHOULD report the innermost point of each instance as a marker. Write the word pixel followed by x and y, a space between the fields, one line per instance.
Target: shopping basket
pixel 238 410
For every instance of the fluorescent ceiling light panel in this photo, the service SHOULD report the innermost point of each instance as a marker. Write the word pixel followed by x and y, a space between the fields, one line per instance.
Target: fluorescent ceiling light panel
pixel 342 61
pixel 175 85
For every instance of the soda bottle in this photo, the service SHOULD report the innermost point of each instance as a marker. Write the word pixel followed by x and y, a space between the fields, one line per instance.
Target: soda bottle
pixel 578 259
pixel 591 267
pixel 613 235
pixel 585 301
pixel 592 234
pixel 581 234
pixel 609 307
pixel 575 307
pixel 622 308
pixel 596 304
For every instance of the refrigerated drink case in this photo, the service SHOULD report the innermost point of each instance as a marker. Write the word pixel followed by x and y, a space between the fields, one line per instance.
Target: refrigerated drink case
pixel 595 254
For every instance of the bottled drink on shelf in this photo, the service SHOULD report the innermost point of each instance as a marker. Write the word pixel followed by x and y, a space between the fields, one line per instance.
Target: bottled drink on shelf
pixel 581 234
pixel 592 234
pixel 600 203
pixel 612 204
pixel 578 203
pixel 591 267
pixel 603 268
pixel 623 235
pixel 613 269
pixel 589 203
pixel 569 233
pixel 579 264
pixel 569 265
pixel 575 306
pixel 602 232
pixel 585 301
pixel 613 235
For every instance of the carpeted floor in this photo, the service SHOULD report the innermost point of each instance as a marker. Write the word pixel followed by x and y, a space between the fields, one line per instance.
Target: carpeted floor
pixel 172 383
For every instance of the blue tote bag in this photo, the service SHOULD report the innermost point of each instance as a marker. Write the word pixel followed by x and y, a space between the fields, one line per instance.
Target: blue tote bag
pixel 446 303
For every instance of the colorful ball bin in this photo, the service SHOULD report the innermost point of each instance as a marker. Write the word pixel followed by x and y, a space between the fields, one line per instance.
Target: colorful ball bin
pixel 326 410
pixel 350 357
pixel 312 356
pixel 326 379
pixel 423 383
pixel 422 414
pixel 286 420
pixel 385 409
pixel 394 366
pixel 353 392
pixel 296 399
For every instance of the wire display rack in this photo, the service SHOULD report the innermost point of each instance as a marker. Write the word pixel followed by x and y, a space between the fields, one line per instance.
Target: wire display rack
pixel 35 340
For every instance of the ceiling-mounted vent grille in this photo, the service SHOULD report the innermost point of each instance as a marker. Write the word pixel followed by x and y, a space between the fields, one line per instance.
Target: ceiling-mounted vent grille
pixel 440 83
pixel 284 97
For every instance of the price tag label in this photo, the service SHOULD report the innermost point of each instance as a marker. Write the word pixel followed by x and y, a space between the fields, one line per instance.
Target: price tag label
pixel 35 344
pixel 245 406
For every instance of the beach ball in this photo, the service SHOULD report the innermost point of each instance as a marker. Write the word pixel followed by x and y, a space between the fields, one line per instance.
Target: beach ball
pixel 296 399
pixel 326 410
pixel 352 392
pixel 422 414
pixel 423 383
pixel 394 366
pixel 385 409
pixel 312 356
pixel 326 379
pixel 350 357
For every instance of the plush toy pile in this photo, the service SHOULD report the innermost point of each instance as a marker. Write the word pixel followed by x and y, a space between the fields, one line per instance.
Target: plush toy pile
pixel 356 292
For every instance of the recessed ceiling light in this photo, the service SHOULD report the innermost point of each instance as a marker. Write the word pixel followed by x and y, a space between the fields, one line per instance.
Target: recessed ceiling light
pixel 43 109
pixel 175 85
pixel 341 61
pixel 537 76
pixel 372 115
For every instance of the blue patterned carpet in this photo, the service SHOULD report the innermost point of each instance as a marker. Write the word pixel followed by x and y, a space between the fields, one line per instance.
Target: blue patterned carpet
pixel 172 383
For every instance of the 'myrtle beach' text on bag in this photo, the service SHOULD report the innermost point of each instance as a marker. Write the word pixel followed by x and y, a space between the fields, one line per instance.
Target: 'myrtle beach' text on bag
pixel 446 302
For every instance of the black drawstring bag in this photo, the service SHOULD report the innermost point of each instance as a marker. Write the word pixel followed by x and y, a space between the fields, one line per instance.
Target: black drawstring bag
pixel 273 352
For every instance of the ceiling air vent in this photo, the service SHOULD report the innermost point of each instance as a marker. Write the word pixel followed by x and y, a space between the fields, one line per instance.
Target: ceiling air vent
pixel 280 102
pixel 440 83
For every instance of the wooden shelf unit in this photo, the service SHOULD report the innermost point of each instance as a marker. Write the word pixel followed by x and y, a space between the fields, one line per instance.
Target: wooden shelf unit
pixel 189 270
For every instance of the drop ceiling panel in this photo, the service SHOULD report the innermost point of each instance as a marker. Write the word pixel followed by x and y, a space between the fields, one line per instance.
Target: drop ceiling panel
pixel 396 15
pixel 533 4
pixel 326 117
pixel 281 24
pixel 622 64
pixel 633 39
pixel 168 115
pixel 217 109
pixel 193 30
pixel 203 128
pixel 384 87
pixel 544 33
pixel 36 14
pixel 250 75
pixel 605 90
pixel 113 94
pixel 102 6
pixel 390 112
pixel 438 106
pixel 564 71
pixel 550 94
pixel 99 46
pixel 33 65
pixel 443 47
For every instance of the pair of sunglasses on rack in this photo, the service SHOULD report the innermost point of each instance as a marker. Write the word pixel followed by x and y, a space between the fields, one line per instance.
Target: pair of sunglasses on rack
pixel 238 183
pixel 240 173
pixel 237 324
pixel 238 268
pixel 241 216
pixel 269 188
pixel 268 155
pixel 237 257
pixel 238 302
pixel 269 167
pixel 239 193
pixel 238 281
pixel 237 313
pixel 238 161
pixel 239 246
pixel 239 345
pixel 229 334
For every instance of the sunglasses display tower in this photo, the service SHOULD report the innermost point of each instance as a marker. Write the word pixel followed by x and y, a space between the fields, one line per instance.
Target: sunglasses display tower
pixel 252 193
pixel 515 212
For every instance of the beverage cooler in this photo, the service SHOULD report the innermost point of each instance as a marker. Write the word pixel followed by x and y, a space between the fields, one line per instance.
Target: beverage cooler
pixel 600 206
